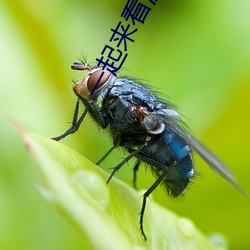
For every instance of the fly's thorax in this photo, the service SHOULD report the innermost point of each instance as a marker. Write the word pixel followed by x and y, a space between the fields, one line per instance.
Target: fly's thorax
pixel 85 87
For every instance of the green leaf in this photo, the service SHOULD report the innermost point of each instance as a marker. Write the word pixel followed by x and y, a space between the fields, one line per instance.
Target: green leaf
pixel 106 215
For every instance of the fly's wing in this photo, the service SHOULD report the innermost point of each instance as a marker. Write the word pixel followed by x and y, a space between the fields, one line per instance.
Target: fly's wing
pixel 175 124
pixel 212 160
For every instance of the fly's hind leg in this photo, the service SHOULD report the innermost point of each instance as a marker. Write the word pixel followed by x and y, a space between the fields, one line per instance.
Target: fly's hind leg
pixel 145 196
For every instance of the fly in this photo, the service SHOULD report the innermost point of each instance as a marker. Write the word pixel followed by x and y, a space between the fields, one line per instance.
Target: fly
pixel 149 128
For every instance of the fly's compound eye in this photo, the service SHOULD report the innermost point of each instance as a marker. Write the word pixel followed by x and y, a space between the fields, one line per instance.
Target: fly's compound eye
pixel 94 77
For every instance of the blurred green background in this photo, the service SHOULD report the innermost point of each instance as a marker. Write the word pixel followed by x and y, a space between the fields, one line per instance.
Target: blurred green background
pixel 195 52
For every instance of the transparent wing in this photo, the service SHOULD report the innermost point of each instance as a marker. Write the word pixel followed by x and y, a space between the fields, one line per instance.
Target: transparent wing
pixel 175 124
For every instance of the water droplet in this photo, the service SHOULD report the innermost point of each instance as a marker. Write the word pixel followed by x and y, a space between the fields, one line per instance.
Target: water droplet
pixel 94 185
pixel 187 227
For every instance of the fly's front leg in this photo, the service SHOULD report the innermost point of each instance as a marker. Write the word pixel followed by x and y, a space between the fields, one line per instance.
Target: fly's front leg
pixel 92 108
pixel 75 123
pixel 98 115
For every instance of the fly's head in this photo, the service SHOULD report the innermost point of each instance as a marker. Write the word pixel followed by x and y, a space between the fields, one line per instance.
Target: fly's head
pixel 85 87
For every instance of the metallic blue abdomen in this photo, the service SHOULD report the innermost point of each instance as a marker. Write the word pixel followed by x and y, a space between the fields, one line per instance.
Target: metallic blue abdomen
pixel 168 153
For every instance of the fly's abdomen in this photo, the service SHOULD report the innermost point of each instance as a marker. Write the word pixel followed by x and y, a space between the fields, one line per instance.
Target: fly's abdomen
pixel 170 155
pixel 178 176
pixel 180 165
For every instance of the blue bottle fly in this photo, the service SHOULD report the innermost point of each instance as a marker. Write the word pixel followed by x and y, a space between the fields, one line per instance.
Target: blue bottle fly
pixel 149 128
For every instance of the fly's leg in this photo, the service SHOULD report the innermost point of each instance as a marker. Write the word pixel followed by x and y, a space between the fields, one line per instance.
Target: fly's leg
pixel 136 167
pixel 97 114
pixel 116 168
pixel 105 155
pixel 145 196
pixel 75 123
pixel 90 107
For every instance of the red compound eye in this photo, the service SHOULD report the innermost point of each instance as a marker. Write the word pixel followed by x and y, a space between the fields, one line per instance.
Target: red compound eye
pixel 94 78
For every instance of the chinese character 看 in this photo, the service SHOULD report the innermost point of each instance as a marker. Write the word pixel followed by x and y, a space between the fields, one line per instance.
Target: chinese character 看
pixel 137 12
